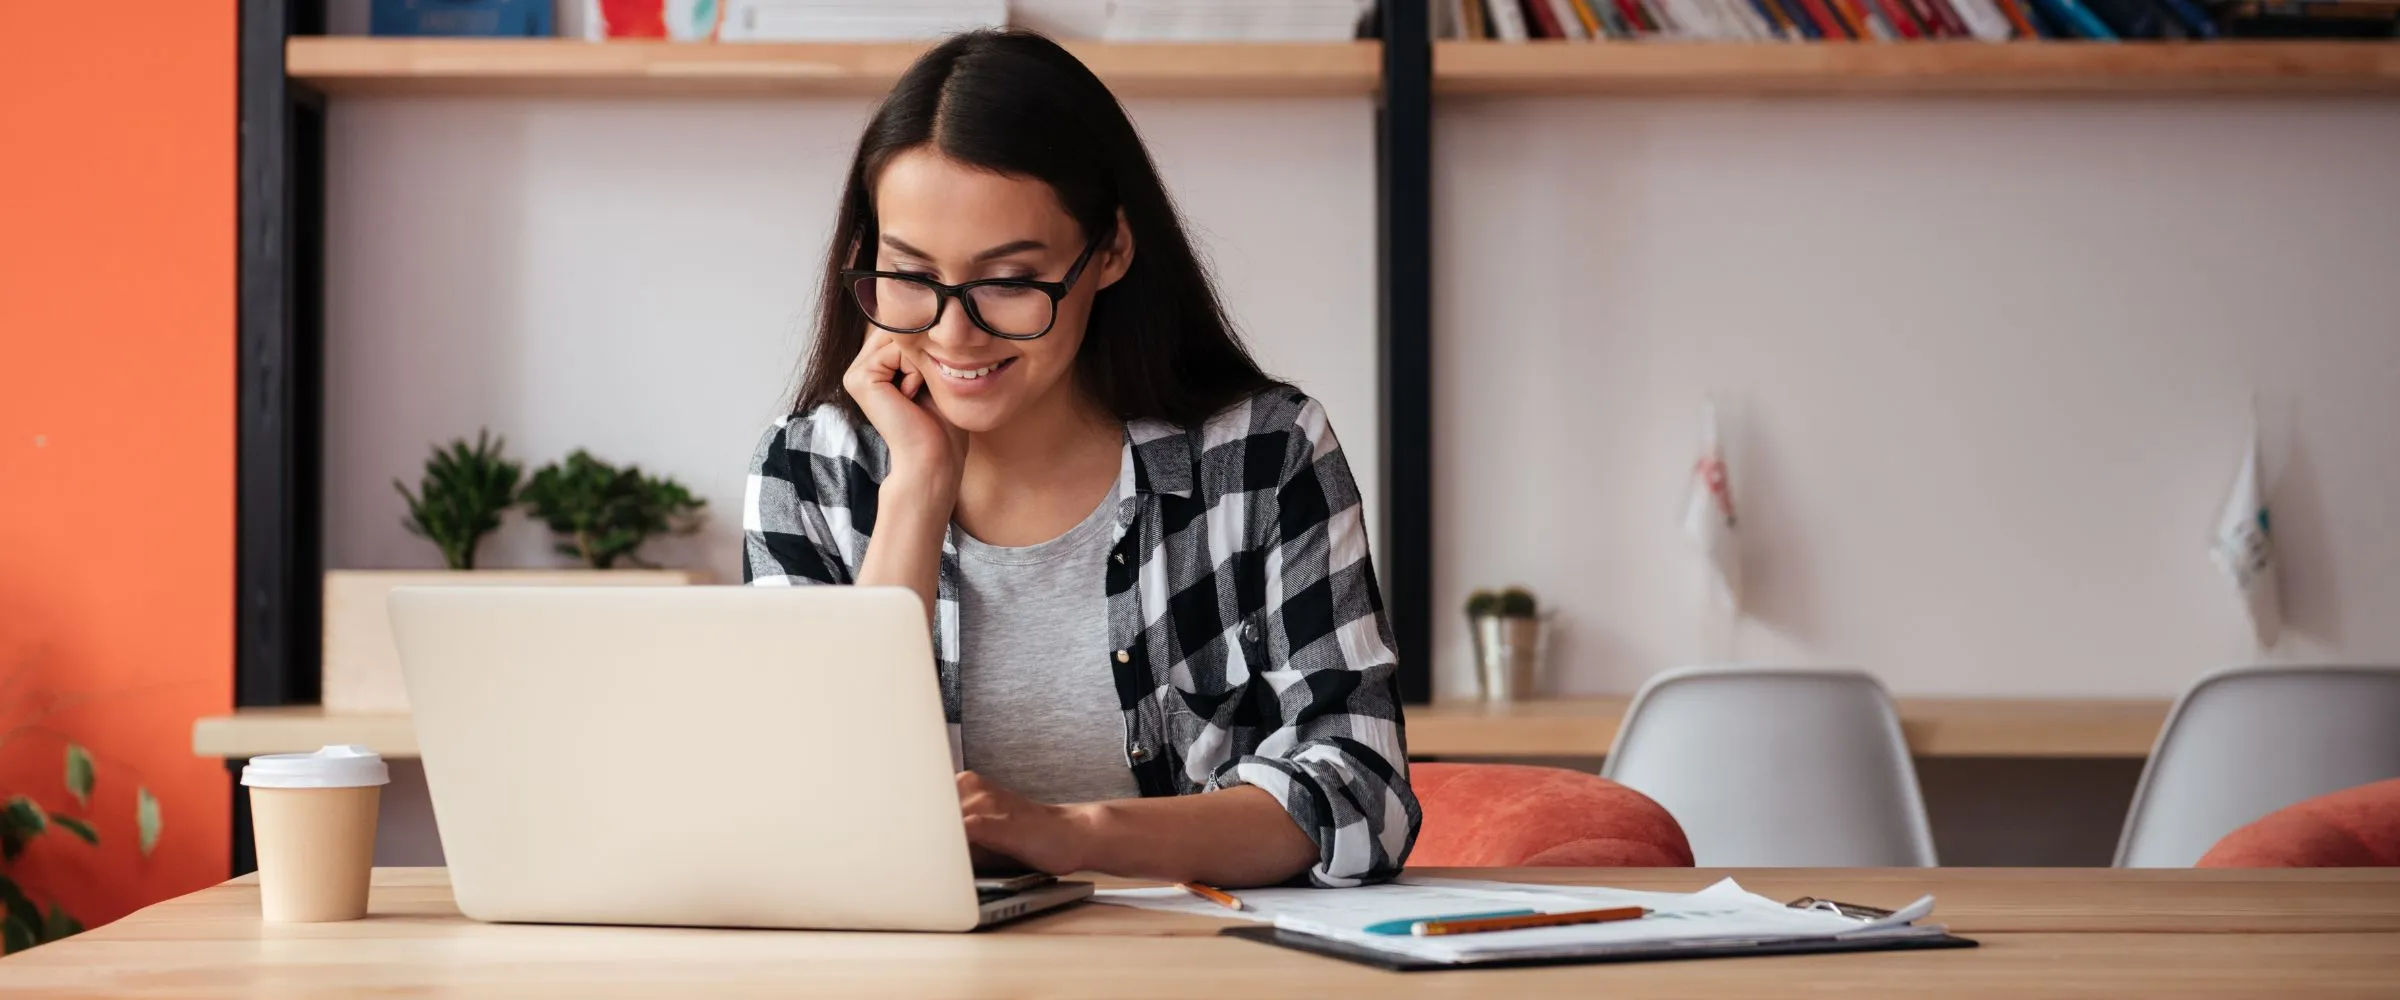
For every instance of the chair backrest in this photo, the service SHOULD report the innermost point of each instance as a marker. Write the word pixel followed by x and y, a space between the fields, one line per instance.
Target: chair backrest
pixel 1775 767
pixel 2246 741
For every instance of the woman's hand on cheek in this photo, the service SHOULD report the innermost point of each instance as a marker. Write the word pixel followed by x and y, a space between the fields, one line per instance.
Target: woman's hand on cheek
pixel 1005 825
pixel 925 447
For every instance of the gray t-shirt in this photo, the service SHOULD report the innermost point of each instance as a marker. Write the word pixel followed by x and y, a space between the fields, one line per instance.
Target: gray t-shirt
pixel 1039 712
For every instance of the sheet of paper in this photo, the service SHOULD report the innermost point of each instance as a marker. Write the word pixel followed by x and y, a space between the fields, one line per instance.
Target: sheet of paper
pixel 1364 905
pixel 1719 913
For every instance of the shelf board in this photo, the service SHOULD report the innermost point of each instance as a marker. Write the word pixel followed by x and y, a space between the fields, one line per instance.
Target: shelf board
pixel 347 65
pixel 249 732
pixel 1553 727
pixel 1915 68
pixel 1934 727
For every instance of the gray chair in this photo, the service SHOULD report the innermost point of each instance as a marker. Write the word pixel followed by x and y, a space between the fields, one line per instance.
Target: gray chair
pixel 2246 741
pixel 1776 767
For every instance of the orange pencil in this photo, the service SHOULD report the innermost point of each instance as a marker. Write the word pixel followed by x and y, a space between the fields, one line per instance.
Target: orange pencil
pixel 1431 928
pixel 1213 895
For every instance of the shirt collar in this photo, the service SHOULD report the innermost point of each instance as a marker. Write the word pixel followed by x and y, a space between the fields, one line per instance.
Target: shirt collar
pixel 1158 459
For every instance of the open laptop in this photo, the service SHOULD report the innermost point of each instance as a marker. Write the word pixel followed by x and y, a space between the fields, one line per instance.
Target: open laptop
pixel 694 756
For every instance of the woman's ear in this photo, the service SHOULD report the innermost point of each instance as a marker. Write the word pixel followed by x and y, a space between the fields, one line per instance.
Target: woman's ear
pixel 1116 258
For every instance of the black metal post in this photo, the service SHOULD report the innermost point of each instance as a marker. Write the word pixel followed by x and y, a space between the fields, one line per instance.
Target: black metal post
pixel 281 178
pixel 1404 176
pixel 281 208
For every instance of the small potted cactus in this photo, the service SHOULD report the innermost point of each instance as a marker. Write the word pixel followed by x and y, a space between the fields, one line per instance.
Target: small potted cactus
pixel 1506 626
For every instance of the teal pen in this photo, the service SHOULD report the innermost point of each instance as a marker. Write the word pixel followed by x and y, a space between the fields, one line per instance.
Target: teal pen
pixel 1407 926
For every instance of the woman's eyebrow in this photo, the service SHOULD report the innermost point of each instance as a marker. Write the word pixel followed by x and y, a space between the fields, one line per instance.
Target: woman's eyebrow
pixel 1006 249
pixel 901 245
pixel 995 253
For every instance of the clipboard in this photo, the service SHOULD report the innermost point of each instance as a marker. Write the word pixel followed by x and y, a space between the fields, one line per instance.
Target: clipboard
pixel 1332 948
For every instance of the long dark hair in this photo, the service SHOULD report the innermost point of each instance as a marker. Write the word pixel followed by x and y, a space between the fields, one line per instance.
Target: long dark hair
pixel 1158 344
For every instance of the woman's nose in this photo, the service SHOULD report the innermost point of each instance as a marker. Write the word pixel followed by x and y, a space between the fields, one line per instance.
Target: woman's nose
pixel 956 329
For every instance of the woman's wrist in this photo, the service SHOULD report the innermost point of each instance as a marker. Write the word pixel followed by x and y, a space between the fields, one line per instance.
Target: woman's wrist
pixel 916 495
pixel 1097 827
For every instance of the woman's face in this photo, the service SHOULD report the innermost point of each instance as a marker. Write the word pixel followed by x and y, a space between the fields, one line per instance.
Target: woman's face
pixel 955 223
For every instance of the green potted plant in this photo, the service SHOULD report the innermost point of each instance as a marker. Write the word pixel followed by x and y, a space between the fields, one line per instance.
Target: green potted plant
pixel 462 497
pixel 1507 630
pixel 602 513
pixel 24 921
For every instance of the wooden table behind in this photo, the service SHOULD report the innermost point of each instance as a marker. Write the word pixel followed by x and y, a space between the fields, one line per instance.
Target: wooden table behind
pixel 2044 932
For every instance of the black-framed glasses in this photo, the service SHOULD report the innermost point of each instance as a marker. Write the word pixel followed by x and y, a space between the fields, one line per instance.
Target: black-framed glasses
pixel 1007 308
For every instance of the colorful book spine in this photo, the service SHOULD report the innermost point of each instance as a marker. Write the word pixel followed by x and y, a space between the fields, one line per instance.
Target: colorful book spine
pixel 1827 24
pixel 1854 20
pixel 1984 19
pixel 1542 20
pixel 1801 22
pixel 1773 14
pixel 1953 26
pixel 1593 27
pixel 1508 20
pixel 2078 19
pixel 1897 14
pixel 2015 13
pixel 1638 16
pixel 1922 10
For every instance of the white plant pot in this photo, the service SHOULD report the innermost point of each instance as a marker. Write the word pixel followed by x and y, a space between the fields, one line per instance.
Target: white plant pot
pixel 360 672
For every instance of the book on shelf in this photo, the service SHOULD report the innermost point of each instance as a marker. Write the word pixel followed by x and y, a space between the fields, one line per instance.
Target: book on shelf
pixel 2310 19
pixel 856 20
pixel 1915 20
pixel 1235 20
pixel 1112 20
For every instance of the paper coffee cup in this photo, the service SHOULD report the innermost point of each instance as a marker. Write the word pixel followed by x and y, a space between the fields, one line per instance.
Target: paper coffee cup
pixel 312 816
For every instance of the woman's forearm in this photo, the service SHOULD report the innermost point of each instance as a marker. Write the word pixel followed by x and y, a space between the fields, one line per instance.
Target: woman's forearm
pixel 1233 838
pixel 905 548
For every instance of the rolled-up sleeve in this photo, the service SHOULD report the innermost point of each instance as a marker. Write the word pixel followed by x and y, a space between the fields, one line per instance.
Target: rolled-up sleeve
pixel 1336 757
pixel 789 536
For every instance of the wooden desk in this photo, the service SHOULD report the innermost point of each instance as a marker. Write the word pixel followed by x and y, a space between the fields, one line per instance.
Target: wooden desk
pixel 2049 933
pixel 1561 727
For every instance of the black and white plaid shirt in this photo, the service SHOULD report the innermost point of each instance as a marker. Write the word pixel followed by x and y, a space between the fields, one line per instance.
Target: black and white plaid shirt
pixel 1246 633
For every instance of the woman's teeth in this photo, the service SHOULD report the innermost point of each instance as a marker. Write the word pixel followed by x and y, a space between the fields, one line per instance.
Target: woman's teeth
pixel 969 373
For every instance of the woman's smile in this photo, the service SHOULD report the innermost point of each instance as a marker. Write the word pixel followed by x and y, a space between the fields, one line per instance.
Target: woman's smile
pixel 970 373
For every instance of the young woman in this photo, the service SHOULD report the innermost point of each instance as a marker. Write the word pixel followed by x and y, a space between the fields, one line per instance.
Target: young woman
pixel 1161 648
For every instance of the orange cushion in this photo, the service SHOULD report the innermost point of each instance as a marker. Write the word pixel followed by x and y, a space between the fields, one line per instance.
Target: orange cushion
pixel 2352 828
pixel 1515 816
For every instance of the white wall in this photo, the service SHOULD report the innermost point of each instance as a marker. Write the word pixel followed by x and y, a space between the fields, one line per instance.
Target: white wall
pixel 1984 365
pixel 636 278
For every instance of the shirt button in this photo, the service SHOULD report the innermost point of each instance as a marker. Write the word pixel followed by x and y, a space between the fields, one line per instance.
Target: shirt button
pixel 1120 559
pixel 1249 631
pixel 1137 753
pixel 1124 657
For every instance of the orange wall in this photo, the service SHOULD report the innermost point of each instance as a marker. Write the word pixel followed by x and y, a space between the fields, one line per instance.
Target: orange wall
pixel 117 240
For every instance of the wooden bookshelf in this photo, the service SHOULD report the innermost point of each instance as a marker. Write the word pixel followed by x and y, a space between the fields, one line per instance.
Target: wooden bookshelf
pixel 566 67
pixel 1915 68
pixel 1554 727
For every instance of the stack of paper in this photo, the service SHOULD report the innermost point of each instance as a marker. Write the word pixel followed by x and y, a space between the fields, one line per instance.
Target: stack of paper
pixel 856 20
pixel 1720 914
pixel 1234 20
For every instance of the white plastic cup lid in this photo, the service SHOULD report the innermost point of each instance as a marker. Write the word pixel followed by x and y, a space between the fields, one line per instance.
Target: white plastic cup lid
pixel 342 766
